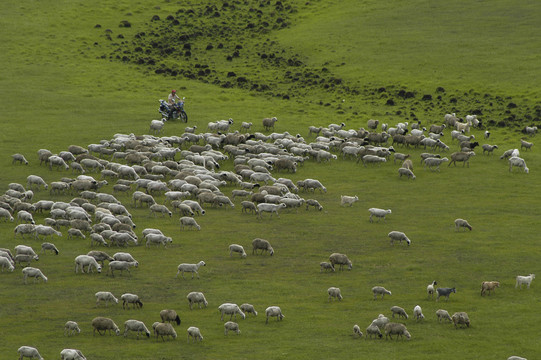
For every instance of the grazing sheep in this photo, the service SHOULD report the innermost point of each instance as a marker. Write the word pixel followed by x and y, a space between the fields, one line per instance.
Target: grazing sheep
pixel 379 213
pixel 168 315
pixel 399 311
pixel 444 292
pixel 524 280
pixel 33 272
pixel 461 157
pixel 326 266
pixel 340 259
pixel 72 233
pixel 230 309
pixel 29 352
pixel 489 286
pixel 434 162
pixel 137 326
pixel 270 208
pixel 274 311
pixel 165 329
pixel 249 206
pixel 461 223
pixel 71 328
pixel 418 312
pixel 32 180
pixel 263 245
pixel 461 318
pixel 489 149
pixel 190 222
pixel 231 326
pixel 373 329
pixel 396 329
pixel 381 291
pixel 430 289
pixel 121 265
pixel 19 158
pixel 23 258
pixel 25 217
pixel 85 260
pixel 372 159
pixel 45 231
pixel 71 354
pixel 161 209
pixel 238 249
pixel 516 358
pixel 104 324
pixel 105 296
pixel 357 330
pixel 443 315
pixel 334 292
pixel 348 200
pixel 398 236
pixel 158 239
pixel 196 298
pixel 248 309
pixel 128 299
pixel 406 172
pixel 6 263
pixel 518 162
pixel 195 334
pixel 4 213
pixel 509 153
pixel 314 203
pixel 182 268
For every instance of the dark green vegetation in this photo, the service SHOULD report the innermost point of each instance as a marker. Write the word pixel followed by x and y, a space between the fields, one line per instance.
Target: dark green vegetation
pixel 57 90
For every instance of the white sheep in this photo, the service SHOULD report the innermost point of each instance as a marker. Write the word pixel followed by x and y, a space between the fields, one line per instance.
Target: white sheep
pixel 357 330
pixel 326 266
pixel 340 259
pixel 71 328
pixel 373 329
pixel 121 265
pixel 270 208
pixel 443 315
pixel 230 309
pixel 406 172
pixel 530 130
pixel 430 289
pixel 137 326
pixel 189 221
pixel 431 162
pixel 334 292
pixel 4 213
pixel 268 123
pixel 6 263
pixel 274 311
pixel 26 250
pixel 489 149
pixel 418 313
pixel 105 296
pixel 85 260
pixel 158 239
pixel 263 245
pixel 194 333
pixel 398 236
pixel 248 309
pixel 164 329
pixel 379 213
pixel 231 326
pixel 182 268
pixel 161 209
pixel 19 158
pixel 156 126
pixel 372 159
pixel 461 318
pixel 196 297
pixel 25 217
pixel 29 352
pixel 396 329
pixel 348 200
pixel 397 310
pixel 32 180
pixel 461 223
pixel 169 315
pixel 33 272
pixel 104 324
pixel 45 231
pixel 128 299
pixel 527 280
pixel 72 354
pixel 380 290
pixel 518 162
pixel 238 249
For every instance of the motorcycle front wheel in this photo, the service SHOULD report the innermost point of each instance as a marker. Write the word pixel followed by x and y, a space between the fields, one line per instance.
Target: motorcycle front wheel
pixel 183 116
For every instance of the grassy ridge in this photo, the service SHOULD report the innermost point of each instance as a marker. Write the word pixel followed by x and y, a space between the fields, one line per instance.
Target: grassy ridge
pixel 63 94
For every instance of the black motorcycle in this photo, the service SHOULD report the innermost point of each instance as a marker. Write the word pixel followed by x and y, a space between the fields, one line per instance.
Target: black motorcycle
pixel 173 112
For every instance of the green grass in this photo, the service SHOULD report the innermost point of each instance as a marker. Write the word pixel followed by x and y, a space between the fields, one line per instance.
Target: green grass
pixel 56 90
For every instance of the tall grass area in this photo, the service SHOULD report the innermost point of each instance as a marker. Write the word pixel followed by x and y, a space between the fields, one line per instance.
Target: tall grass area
pixel 55 91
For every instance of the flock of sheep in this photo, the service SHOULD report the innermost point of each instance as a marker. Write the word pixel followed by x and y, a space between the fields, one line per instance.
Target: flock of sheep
pixel 146 167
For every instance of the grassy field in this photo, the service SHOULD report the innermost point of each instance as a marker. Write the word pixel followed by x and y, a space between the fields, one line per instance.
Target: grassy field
pixel 63 84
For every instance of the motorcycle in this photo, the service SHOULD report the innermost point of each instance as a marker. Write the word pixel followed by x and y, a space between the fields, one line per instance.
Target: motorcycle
pixel 173 112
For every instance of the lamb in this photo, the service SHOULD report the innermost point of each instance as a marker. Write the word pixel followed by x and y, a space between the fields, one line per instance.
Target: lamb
pixel 32 180
pixel 524 280
pixel 29 352
pixel 461 157
pixel 434 162
pixel 461 318
pixel 489 149
pixel 231 326
pixel 379 213
pixel 33 272
pixel 443 315
pixel 270 208
pixel 418 313
pixel 334 292
pixel 518 162
pixel 196 298
pixel 248 309
pixel 445 292
pixel 326 266
pixel 156 126
pixel 396 329
pixel 6 263
pixel 71 354
pixel 340 259
pixel 274 311
pixel 357 330
pixel 399 311
pixel 314 130
pixel 128 299
pixel 245 126
pixel 398 236
pixel 430 289
pixel 168 315
pixel 373 329
pixel 381 291
pixel 348 200
pixel 182 268
pixel 194 333
pixel 135 325
pixel 104 324
pixel 263 245
pixel 85 260
pixel 489 286
pixel 105 296
pixel 157 239
pixel 165 329
pixel 406 172
pixel 71 328
pixel 461 223
pixel 19 158
pixel 189 221
pixel 230 309
pixel 238 249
